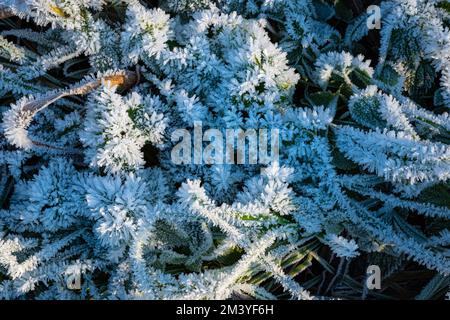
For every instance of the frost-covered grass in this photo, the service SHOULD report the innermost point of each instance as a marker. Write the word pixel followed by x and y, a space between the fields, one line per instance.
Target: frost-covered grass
pixel 92 94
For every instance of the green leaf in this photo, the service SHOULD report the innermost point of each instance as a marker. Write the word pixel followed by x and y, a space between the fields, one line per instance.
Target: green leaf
pixel 360 78
pixel 299 268
pixel 323 98
pixel 444 5
pixel 423 78
pixel 230 257
pixel 366 111
pixel 389 76
pixel 407 228
pixel 341 162
pixel 438 98
pixel 437 287
pixel 438 195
